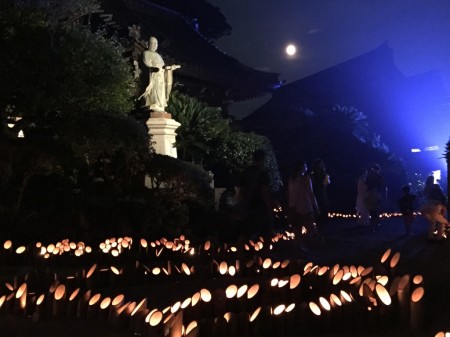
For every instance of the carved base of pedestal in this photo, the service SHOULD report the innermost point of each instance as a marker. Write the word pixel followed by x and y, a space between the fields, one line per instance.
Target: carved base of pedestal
pixel 162 131
pixel 160 114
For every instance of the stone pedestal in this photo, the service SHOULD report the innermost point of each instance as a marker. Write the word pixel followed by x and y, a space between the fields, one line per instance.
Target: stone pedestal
pixel 162 129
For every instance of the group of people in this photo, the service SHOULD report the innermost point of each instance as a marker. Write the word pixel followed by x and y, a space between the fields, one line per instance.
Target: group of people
pixel 372 193
pixel 307 200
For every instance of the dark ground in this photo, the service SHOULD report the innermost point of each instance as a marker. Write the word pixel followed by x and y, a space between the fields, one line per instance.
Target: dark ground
pixel 345 243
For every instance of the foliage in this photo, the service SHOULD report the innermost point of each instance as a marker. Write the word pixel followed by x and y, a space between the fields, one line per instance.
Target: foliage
pixel 202 127
pixel 49 71
pixel 72 90
pixel 184 179
pixel 235 154
pixel 206 138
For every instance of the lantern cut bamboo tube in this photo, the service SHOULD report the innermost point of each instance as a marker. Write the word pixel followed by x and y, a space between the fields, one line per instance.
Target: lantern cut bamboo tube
pixel 205 304
pixel 255 322
pixel 252 299
pixel 137 317
pixel 119 317
pixel 93 306
pixel 192 329
pixel 104 308
pixel 39 310
pixel 82 304
pixel 116 303
pixel 176 324
pixel 403 296
pixel 232 324
pixel 155 327
pixel 393 264
pixel 20 301
pixel 138 323
pixel 72 303
pixel 278 319
pixel 417 309
pixel 59 301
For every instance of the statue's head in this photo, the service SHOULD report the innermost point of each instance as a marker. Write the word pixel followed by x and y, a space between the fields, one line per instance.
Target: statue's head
pixel 153 43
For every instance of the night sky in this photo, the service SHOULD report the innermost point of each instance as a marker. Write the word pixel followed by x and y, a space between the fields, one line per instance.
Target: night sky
pixel 328 32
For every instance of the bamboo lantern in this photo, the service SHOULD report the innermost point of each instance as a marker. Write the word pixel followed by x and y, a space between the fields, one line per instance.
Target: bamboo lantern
pixel 383 294
pixel 394 286
pixel 229 300
pixel 232 324
pixel 223 268
pixel 385 256
pixel 155 328
pixel 137 317
pixel 252 299
pixel 418 280
pixel 205 304
pixel 366 271
pixel 403 292
pixel 394 262
pixel 93 306
pixel 82 304
pixel 313 317
pixel 417 309
pixel 116 303
pixel 195 304
pixel 192 329
pixel 89 276
pixel 39 310
pixel 143 247
pixel 278 319
pixel 255 322
pixel 59 301
pixel 20 300
pixel 104 308
pixel 72 303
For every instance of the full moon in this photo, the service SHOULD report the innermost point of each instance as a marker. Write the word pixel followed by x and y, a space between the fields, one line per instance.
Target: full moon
pixel 291 50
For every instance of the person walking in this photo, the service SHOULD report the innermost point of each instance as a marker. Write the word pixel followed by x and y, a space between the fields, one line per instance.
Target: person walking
pixel 253 198
pixel 320 180
pixel 361 193
pixel 406 207
pixel 376 194
pixel 434 209
pixel 302 203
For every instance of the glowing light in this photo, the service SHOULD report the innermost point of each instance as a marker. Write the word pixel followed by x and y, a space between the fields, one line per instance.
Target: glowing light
pixel 383 294
pixel 291 50
pixel 279 309
pixel 314 308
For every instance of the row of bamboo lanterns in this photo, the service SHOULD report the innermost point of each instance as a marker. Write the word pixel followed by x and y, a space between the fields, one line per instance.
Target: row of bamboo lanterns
pixel 321 293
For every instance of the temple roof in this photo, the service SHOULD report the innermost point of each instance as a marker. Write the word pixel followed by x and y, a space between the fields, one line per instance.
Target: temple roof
pixel 203 65
pixel 373 84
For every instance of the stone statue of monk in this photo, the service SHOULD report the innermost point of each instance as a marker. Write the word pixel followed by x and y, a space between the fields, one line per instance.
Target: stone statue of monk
pixel 159 86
